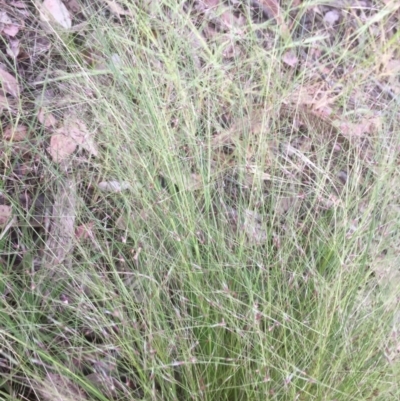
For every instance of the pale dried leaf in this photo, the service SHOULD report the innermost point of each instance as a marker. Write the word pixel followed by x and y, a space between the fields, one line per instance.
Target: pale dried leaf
pixel 290 58
pixel 392 68
pixel 13 48
pixel 331 17
pixel 46 118
pixel 55 10
pixel 15 134
pixel 192 182
pixel 256 123
pixel 116 8
pixel 77 130
pixel 73 5
pixel 252 226
pixel 123 221
pixel 113 186
pixel 9 83
pixel 11 30
pixel 61 147
pixel 364 127
pixel 4 18
pixel 5 214
pixel 272 9
pixel 84 231
pixel 230 20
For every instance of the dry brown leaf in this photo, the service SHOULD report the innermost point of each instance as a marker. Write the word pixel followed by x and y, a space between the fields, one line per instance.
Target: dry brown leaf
pixel 391 68
pixel 84 231
pixel 123 221
pixel 191 182
pixel 61 147
pixel 66 139
pixel 55 10
pixel 353 130
pixel 290 58
pixel 272 8
pixel 15 134
pixel 253 227
pixel 46 118
pixel 77 130
pixel 116 8
pixel 5 214
pixel 11 30
pixel 13 48
pixel 4 18
pixel 331 17
pixel 113 186
pixel 9 83
pixel 230 20
pixel 73 5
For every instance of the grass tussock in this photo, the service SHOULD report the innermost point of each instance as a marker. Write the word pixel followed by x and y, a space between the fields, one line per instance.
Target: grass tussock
pixel 243 244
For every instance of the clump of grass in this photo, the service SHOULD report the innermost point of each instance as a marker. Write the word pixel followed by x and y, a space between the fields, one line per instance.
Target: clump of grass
pixel 176 300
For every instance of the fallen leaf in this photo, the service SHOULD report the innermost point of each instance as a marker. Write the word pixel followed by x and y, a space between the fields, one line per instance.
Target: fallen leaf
pixel 351 130
pixel 253 227
pixel 113 186
pixel 4 18
pixel 61 147
pixel 46 118
pixel 73 5
pixel 192 182
pixel 9 83
pixel 5 214
pixel 11 30
pixel 77 130
pixel 55 10
pixel 123 221
pixel 272 9
pixel 391 68
pixel 15 134
pixel 66 139
pixel 230 20
pixel 13 48
pixel 290 58
pixel 331 17
pixel 116 8
pixel 84 231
